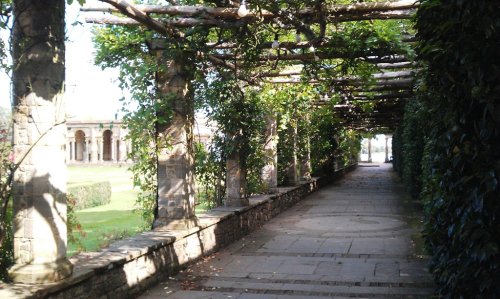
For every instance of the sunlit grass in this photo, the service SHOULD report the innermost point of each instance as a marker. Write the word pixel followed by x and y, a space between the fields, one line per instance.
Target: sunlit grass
pixel 109 222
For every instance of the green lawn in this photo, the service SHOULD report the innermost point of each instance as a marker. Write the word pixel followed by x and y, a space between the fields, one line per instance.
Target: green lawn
pixel 108 222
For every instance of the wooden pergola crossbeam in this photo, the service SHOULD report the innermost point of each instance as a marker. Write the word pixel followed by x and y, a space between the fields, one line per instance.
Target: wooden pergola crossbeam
pixel 347 82
pixel 386 75
pixel 181 22
pixel 306 56
pixel 232 13
pixel 161 44
pixel 222 23
pixel 140 16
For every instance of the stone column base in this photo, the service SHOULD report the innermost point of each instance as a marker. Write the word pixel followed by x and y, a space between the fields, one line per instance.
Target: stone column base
pixel 162 224
pixel 41 273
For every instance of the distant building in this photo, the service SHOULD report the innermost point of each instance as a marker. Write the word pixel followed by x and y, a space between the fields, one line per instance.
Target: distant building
pixel 96 141
pixel 103 141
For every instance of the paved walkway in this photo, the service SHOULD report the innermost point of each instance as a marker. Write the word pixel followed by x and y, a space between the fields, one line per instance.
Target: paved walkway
pixel 353 239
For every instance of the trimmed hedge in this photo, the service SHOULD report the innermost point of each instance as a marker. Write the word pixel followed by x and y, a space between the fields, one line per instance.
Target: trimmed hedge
pixel 460 162
pixel 87 196
pixel 408 145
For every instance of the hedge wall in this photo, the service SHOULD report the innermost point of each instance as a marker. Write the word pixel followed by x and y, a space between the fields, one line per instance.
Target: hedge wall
pixel 87 196
pixel 460 47
pixel 408 145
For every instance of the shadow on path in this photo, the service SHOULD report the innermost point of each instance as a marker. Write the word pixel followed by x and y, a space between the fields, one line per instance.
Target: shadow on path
pixel 357 238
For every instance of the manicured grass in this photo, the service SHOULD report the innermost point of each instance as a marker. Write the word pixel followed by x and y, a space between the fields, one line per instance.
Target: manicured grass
pixel 108 222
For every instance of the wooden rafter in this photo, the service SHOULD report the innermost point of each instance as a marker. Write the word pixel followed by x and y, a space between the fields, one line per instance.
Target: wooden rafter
pixel 138 15
pixel 224 23
pixel 232 13
pixel 308 56
pixel 345 82
pixel 161 44
pixel 181 22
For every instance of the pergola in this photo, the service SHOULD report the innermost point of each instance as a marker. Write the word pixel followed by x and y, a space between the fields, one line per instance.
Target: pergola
pixel 387 91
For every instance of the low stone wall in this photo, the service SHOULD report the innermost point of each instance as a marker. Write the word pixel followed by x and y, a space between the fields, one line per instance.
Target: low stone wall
pixel 128 267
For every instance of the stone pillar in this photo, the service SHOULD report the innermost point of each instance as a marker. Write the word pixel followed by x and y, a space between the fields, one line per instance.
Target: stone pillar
pixel 39 189
pixel 386 149
pixel 113 147
pixel 176 162
pixel 369 150
pixel 123 150
pixel 270 170
pixel 72 149
pixel 235 183
pixel 93 147
pixel 100 141
pixel 85 150
pixel 305 161
pixel 292 175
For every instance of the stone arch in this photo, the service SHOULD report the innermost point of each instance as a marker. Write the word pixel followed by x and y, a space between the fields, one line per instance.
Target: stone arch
pixel 80 145
pixel 107 147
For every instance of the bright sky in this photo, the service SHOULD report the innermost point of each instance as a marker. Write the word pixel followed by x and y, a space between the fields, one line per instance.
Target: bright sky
pixel 91 93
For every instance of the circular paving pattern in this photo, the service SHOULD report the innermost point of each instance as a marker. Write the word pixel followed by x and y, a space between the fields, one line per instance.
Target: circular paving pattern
pixel 345 224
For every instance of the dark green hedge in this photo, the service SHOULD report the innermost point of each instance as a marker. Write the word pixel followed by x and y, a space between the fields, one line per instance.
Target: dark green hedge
pixel 87 196
pixel 460 47
pixel 408 145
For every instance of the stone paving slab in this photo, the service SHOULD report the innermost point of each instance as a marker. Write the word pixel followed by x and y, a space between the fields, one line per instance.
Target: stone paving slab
pixel 353 239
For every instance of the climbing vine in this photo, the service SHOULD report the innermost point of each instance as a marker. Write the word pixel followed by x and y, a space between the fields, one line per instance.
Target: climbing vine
pixel 234 100
pixel 240 128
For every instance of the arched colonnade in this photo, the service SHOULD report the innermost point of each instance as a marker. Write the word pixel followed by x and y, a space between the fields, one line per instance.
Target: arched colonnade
pixel 96 142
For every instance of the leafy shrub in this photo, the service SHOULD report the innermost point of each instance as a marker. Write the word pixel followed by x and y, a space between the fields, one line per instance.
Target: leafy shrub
pixel 87 196
pixel 210 171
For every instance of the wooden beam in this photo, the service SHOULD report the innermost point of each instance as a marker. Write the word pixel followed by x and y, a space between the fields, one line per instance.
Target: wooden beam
pixel 396 95
pixel 383 15
pixel 393 75
pixel 186 21
pixel 386 75
pixel 132 12
pixel 382 88
pixel 160 44
pixel 347 82
pixel 181 22
pixel 232 13
pixel 313 56
pixel 398 65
